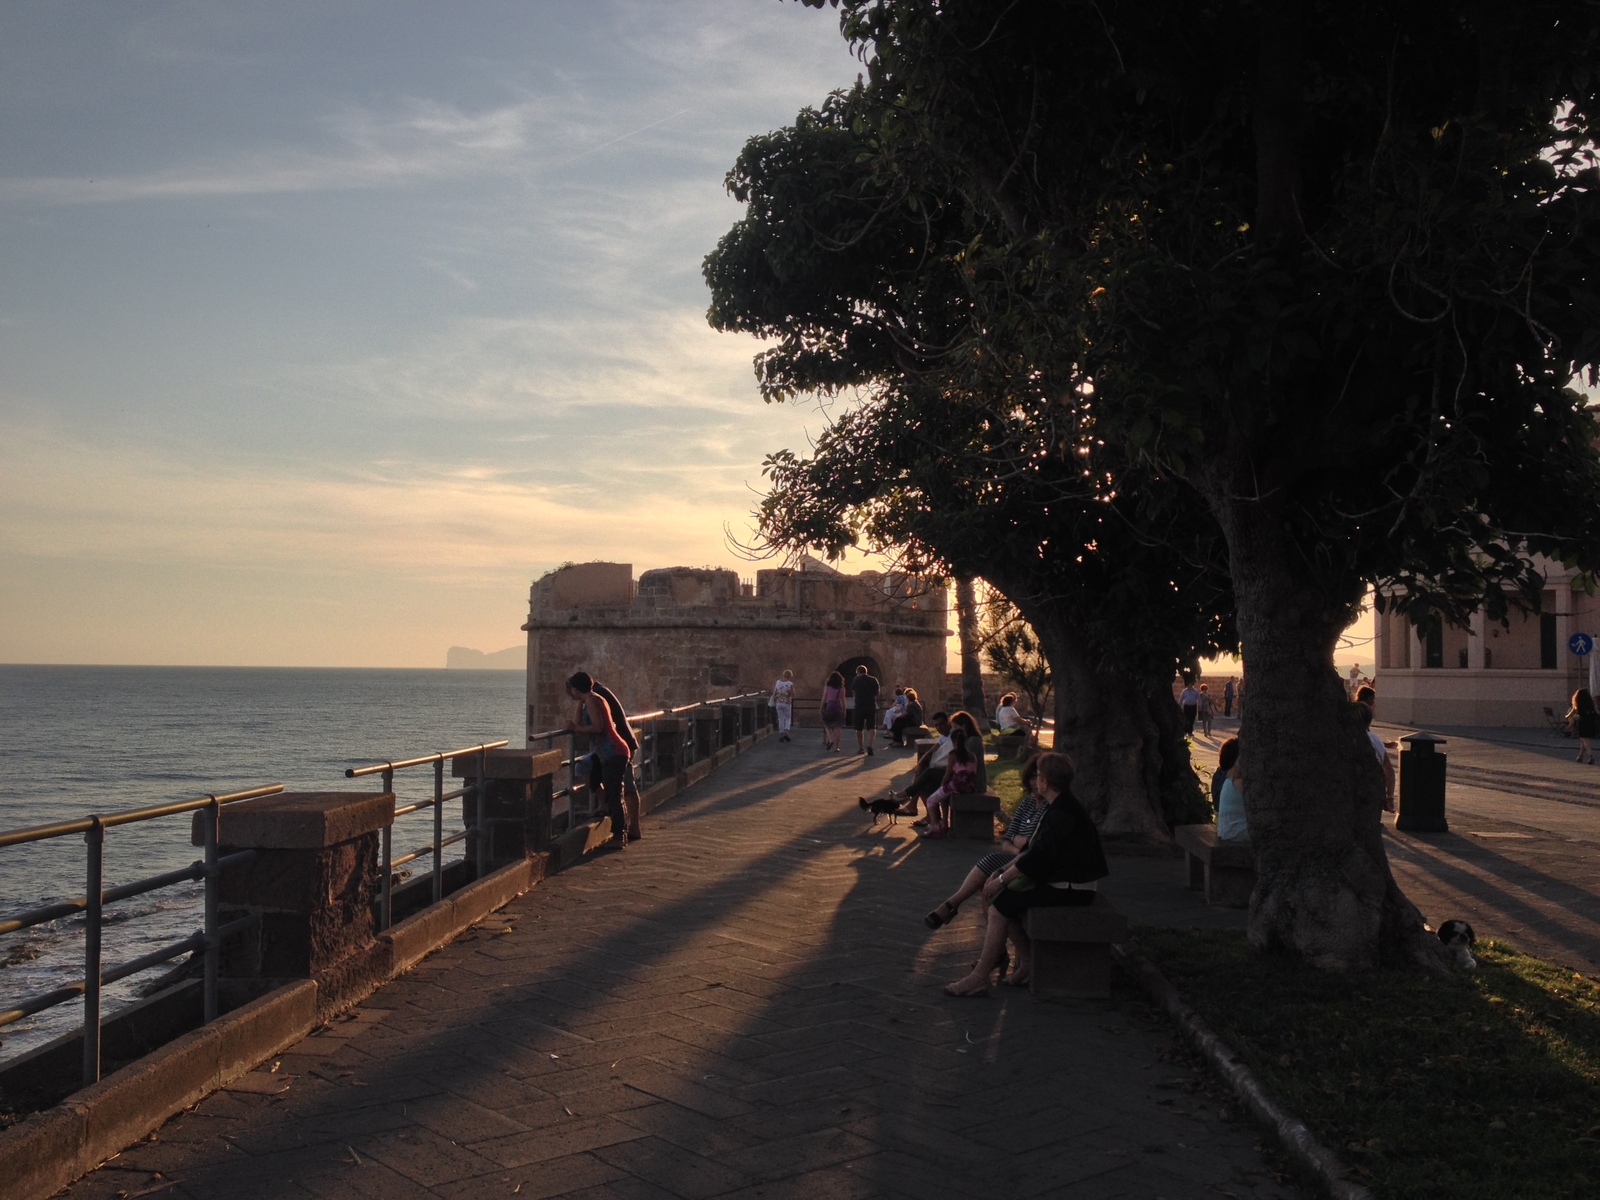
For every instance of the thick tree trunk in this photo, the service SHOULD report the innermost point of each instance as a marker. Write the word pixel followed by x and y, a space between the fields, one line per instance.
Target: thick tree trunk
pixel 1130 767
pixel 1313 791
pixel 967 635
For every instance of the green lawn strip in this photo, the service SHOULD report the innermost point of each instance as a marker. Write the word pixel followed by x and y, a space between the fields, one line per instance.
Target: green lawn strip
pixel 1473 1086
pixel 1005 781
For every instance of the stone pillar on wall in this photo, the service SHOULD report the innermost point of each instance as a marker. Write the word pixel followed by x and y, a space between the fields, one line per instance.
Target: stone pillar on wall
pixel 313 883
pixel 667 746
pixel 519 786
pixel 705 722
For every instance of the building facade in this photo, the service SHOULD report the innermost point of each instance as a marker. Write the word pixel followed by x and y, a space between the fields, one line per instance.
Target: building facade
pixel 682 634
pixel 1487 674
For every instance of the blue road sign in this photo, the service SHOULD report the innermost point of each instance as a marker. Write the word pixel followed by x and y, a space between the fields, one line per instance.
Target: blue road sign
pixel 1580 644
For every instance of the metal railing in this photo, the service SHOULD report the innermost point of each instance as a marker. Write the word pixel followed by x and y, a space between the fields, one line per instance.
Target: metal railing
pixel 647 729
pixel 96 896
pixel 436 847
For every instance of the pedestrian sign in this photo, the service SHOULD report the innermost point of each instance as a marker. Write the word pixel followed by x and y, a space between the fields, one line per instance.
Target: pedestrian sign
pixel 1580 644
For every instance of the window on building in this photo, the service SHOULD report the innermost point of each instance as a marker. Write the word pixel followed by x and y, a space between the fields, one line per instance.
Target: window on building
pixel 1547 641
pixel 1434 650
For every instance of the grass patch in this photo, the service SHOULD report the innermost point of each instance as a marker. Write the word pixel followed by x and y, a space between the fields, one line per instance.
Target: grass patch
pixel 1005 781
pixel 1481 1086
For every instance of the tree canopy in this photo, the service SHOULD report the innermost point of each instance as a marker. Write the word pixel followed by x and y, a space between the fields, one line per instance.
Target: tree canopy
pixel 1328 266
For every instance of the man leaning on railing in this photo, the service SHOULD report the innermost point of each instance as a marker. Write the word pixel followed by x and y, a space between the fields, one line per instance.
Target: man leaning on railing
pixel 601 715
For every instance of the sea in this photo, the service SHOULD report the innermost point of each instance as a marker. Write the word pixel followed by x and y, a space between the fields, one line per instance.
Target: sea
pixel 77 741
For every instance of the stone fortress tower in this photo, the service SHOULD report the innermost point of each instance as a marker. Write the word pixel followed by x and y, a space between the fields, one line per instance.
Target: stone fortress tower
pixel 692 633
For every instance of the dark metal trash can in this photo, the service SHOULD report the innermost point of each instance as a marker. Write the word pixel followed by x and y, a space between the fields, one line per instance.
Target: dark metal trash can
pixel 1422 785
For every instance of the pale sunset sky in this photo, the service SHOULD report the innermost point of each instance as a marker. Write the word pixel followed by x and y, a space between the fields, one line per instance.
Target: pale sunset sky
pixel 327 327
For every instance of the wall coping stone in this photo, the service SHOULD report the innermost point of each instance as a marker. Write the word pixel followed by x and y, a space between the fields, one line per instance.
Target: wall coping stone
pixel 301 820
pixel 506 763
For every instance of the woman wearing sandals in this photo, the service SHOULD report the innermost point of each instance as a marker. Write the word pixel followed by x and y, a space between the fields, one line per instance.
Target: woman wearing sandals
pixel 1060 868
pixel 1021 827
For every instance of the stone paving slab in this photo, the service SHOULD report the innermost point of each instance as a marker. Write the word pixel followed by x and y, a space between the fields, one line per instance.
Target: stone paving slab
pixel 745 1004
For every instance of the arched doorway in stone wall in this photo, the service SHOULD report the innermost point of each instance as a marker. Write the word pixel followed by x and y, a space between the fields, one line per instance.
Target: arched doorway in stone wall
pixel 848 668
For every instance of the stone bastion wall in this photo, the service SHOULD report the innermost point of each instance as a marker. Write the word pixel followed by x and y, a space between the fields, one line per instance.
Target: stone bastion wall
pixel 682 634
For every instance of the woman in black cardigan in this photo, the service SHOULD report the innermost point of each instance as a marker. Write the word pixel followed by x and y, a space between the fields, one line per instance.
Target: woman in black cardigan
pixel 1060 867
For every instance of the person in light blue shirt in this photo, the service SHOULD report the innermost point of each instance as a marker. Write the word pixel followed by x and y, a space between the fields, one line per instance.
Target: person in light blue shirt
pixel 1231 823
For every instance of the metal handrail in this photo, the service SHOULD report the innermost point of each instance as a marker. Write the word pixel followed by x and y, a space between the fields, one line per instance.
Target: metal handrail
pixel 39 833
pixel 387 770
pixel 357 772
pixel 649 736
pixel 96 896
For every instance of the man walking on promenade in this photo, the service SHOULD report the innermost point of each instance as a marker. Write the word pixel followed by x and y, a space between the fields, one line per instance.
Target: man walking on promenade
pixel 1227 698
pixel 1189 699
pixel 864 713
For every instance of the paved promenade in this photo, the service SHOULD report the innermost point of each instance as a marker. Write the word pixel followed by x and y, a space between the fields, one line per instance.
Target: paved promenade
pixel 745 1004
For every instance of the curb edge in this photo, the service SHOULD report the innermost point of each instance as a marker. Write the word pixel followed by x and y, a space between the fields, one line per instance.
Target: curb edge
pixel 1290 1131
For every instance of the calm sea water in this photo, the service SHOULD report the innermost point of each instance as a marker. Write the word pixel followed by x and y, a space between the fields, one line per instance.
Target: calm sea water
pixel 81 740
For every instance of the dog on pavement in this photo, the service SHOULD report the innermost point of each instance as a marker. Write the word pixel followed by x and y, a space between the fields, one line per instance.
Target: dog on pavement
pixel 884 805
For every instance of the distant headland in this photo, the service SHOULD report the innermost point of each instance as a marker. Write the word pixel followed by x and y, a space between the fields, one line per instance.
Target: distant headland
pixel 464 658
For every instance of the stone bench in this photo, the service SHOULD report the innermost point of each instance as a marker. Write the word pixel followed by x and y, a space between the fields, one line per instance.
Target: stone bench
pixel 1013 746
pixel 1071 954
pixel 972 815
pixel 1224 871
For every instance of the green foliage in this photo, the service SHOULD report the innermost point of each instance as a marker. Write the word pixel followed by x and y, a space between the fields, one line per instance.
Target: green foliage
pixel 1466 1087
pixel 1012 650
pixel 859 275
pixel 1339 273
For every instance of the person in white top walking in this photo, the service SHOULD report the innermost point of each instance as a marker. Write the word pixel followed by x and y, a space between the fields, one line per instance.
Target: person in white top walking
pixel 783 702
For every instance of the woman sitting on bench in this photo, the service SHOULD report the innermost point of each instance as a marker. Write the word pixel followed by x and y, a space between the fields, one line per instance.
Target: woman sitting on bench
pixel 1060 868
pixel 1231 823
pixel 910 718
pixel 960 779
pixel 1023 822
pixel 1007 719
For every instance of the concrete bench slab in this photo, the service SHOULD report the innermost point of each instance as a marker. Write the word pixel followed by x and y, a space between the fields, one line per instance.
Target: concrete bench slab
pixel 972 815
pixel 1072 949
pixel 1224 871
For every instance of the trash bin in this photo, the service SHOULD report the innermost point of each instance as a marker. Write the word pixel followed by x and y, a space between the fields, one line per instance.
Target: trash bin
pixel 1422 785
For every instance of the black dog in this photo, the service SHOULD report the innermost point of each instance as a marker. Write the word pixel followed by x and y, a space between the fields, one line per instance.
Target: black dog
pixel 881 806
pixel 1459 937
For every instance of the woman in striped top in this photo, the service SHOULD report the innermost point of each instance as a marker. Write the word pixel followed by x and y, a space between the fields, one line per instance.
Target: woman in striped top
pixel 1023 822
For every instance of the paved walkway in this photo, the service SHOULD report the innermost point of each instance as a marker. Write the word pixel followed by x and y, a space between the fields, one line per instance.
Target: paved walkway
pixel 746 1004
pixel 1521 862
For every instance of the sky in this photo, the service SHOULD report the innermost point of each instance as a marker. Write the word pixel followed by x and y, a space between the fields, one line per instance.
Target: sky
pixel 326 328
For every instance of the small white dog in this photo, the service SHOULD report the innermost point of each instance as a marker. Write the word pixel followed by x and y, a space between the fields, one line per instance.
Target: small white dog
pixel 1459 937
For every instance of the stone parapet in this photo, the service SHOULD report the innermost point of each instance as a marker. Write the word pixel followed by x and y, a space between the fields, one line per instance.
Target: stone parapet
pixel 312 884
pixel 518 792
pixel 301 820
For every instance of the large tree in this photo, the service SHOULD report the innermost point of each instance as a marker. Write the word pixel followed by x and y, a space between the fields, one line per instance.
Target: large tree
pixel 1330 265
pixel 859 283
